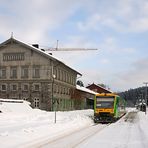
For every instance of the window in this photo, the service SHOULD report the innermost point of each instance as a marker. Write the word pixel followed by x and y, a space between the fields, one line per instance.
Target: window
pixel 36 87
pixel 55 72
pixel 3 72
pixel 64 91
pixel 14 87
pixel 54 88
pixel 73 80
pixel 60 90
pixel 66 77
pixel 13 72
pixel 36 102
pixel 24 72
pixel 3 87
pixel 25 87
pixel 104 102
pixel 13 56
pixel 68 91
pixel 58 76
pixel 57 89
pixel 49 87
pixel 70 79
pixel 36 72
pixel 60 73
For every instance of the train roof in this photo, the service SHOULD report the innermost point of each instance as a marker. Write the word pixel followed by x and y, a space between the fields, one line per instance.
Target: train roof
pixel 106 94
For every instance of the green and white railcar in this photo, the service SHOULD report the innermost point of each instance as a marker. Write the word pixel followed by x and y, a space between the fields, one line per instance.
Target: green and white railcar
pixel 108 107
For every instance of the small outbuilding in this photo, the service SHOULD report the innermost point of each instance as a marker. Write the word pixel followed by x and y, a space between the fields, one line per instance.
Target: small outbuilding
pixel 83 98
pixel 98 89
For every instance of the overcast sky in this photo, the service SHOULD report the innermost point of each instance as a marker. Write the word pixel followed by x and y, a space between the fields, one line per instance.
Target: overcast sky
pixel 117 28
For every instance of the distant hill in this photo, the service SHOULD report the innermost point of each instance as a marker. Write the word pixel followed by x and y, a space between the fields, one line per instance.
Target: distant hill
pixel 133 95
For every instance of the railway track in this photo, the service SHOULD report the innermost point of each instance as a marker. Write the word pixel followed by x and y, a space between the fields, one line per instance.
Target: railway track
pixel 71 140
pixel 76 138
pixel 90 135
pixel 131 117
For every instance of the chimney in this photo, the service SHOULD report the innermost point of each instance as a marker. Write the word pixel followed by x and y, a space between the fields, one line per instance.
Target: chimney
pixel 35 45
pixel 43 49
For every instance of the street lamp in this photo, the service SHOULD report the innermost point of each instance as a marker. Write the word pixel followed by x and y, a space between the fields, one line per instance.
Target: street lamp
pixel 53 99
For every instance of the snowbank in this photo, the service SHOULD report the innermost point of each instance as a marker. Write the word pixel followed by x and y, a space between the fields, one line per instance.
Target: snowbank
pixel 21 125
pixel 9 105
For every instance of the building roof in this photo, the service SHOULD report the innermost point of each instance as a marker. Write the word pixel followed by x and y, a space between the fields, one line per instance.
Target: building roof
pixel 99 87
pixel 85 89
pixel 3 44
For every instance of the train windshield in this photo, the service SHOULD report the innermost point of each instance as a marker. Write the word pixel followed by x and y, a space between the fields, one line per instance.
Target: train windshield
pixel 104 102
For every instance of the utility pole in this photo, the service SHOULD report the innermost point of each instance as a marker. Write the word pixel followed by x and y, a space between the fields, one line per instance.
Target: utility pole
pixel 146 83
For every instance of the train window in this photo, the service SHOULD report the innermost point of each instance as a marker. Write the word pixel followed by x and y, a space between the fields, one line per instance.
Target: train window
pixel 104 102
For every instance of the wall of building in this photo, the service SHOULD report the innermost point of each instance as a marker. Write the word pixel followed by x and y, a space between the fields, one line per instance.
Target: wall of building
pixel 82 99
pixel 27 74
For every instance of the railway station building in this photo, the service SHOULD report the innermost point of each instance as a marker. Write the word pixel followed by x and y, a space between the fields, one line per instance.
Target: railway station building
pixel 29 73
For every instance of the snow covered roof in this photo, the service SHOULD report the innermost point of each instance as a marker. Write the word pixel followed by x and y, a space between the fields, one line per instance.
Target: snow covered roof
pixel 37 50
pixel 101 87
pixel 13 105
pixel 85 89
pixel 142 103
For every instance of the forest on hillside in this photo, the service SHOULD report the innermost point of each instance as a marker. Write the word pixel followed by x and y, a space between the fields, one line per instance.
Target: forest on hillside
pixel 133 96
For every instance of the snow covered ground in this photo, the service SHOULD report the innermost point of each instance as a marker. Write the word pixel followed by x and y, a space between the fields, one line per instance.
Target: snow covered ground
pixel 22 127
pixel 129 132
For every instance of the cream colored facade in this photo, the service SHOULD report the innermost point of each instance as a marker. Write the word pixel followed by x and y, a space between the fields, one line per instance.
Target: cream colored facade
pixel 27 73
